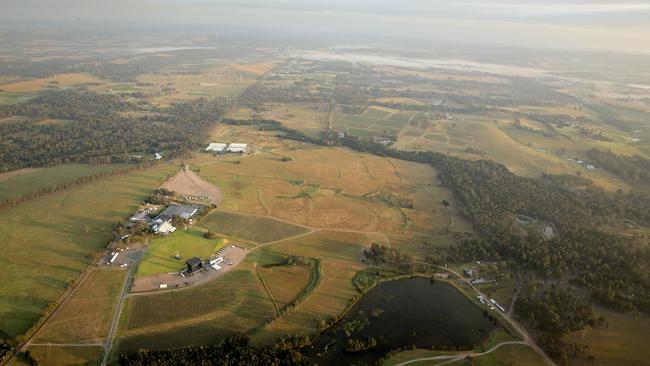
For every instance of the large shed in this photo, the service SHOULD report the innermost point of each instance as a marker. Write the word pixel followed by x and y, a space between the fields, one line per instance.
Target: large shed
pixel 194 264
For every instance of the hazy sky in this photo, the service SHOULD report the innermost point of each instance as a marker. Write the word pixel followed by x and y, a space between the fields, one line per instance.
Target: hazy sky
pixel 583 24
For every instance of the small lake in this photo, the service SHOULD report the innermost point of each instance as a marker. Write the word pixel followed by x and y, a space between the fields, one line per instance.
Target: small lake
pixel 403 313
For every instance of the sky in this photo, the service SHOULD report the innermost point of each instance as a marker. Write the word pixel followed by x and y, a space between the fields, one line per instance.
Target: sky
pixel 622 25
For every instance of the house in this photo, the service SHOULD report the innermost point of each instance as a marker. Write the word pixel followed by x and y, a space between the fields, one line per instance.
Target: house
pixel 237 148
pixel 157 156
pixel 468 272
pixel 194 264
pixel 216 147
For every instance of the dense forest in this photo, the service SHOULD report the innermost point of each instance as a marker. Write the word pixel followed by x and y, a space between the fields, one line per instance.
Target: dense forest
pixel 233 351
pixel 89 128
pixel 554 313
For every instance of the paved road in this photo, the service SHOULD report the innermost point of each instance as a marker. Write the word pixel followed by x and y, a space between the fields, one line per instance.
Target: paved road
pixel 460 356
pixel 118 309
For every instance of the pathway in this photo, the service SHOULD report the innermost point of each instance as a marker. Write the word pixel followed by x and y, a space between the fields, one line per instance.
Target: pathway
pixel 460 356
pixel 118 310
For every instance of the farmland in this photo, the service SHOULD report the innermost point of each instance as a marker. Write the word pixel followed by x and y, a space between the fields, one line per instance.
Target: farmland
pixel 86 315
pixel 160 256
pixel 77 223
pixel 16 184
pixel 233 302
pixel 248 227
pixel 58 356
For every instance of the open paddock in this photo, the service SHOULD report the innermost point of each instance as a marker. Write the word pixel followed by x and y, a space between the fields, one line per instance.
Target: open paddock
pixel 86 315
pixel 67 355
pixel 47 242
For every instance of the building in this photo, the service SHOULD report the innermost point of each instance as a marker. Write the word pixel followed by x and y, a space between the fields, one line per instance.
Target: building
pixel 237 148
pixel 163 228
pixel 382 141
pixel 468 272
pixel 157 156
pixel 194 264
pixel 140 216
pixel 182 211
pixel 216 147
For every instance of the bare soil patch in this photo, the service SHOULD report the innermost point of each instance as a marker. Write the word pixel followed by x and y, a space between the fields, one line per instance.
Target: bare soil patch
pixel 187 182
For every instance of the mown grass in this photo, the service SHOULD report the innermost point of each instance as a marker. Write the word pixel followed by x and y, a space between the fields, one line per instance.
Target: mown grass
pixel 247 227
pixel 160 256
pixel 34 180
pixel 87 314
pixel 47 242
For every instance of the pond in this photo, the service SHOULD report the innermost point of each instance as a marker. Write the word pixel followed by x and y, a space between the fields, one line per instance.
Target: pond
pixel 403 313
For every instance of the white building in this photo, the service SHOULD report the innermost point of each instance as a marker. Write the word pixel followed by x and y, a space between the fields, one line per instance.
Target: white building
pixel 157 156
pixel 237 148
pixel 216 147
pixel 163 228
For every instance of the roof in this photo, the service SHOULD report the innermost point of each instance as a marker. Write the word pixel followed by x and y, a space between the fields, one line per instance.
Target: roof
pixel 216 146
pixel 183 211
pixel 237 145
pixel 194 262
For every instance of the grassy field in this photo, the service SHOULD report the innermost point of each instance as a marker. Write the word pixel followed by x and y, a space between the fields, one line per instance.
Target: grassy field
pixel 285 282
pixel 63 356
pixel 328 187
pixel 87 314
pixel 48 241
pixel 160 256
pixel 52 82
pixel 308 118
pixel 374 121
pixel 18 183
pixel 247 227
pixel 234 302
pixel 623 342
pixel 339 253
pixel 507 355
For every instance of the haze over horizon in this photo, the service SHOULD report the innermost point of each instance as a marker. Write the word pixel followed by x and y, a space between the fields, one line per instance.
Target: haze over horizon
pixel 572 24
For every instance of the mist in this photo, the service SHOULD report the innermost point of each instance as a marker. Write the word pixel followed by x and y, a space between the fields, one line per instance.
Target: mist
pixel 573 24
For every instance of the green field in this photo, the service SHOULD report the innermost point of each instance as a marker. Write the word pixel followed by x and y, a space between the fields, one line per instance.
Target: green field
pixel 34 180
pixel 248 227
pixel 86 315
pixel 160 256
pixel 234 302
pixel 47 242
pixel 12 98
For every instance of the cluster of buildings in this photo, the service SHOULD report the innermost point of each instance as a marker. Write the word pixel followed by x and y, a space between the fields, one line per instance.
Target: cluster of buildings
pixel 162 223
pixel 223 147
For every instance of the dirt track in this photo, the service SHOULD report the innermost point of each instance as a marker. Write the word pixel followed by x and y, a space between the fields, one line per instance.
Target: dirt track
pixel 189 183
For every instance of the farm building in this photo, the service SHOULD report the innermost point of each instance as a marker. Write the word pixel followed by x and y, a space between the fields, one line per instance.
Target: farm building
pixel 194 264
pixel 237 148
pixel 216 147
pixel 182 211
pixel 139 216
pixel 163 228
